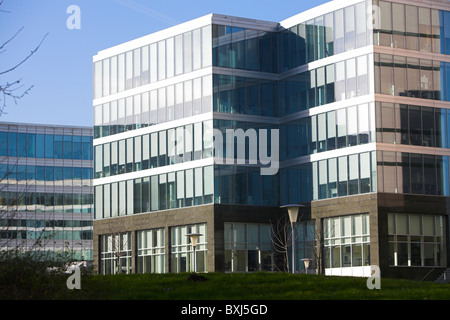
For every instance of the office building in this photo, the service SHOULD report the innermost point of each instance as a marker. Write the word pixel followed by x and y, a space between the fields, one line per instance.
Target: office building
pixel 46 194
pixel 213 125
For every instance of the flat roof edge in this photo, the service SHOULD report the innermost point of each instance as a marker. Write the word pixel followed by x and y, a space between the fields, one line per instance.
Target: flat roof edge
pixel 153 37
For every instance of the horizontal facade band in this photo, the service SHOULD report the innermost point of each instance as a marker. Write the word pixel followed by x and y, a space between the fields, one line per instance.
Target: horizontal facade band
pixel 154 171
pixel 155 128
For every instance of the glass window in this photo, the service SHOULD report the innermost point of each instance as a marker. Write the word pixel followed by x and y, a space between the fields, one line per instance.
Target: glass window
pixel 129 70
pixel 353 174
pixel 351 78
pixel 136 67
pixel 162 103
pixel 362 81
pixel 341 125
pixel 445 31
pixel 145 65
pixel 40 145
pixel 350 36
pixel 208 176
pixel 21 144
pixel 412 28
pixel 398 38
pixel 400 78
pixel 162 60
pixel 189 187
pixel 329 35
pixel 98 210
pixel 386 74
pixel 361 24
pixel 137 196
pixel 178 54
pixel 198 141
pixel 153 62
pixel 323 177
pixel 206 46
pixel 343 176
pixel 188 98
pixel 170 67
pixel 425 30
pixel 197 49
pixel 339 87
pixel 154 196
pixel 339 31
pixel 197 96
pixel 198 173
pixel 98 79
pixel 187 51
pixel 106 201
pixel 122 198
pixel 121 72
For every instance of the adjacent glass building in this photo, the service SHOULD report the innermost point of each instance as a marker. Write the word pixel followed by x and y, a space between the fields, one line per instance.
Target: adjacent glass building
pixel 346 103
pixel 46 194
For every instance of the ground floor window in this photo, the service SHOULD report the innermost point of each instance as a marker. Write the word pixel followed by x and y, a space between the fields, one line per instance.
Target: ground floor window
pixel 248 247
pixel 182 252
pixel 115 253
pixel 416 240
pixel 347 241
pixel 305 245
pixel 150 251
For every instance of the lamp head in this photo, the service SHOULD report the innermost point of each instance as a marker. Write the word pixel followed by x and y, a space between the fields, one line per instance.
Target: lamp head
pixel 194 238
pixel 292 211
pixel 306 261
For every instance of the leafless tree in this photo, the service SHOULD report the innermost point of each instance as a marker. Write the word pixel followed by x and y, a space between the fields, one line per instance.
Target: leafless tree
pixel 13 88
pixel 282 241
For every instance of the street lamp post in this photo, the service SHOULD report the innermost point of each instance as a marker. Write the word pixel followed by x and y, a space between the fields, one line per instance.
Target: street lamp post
pixel 306 261
pixel 194 239
pixel 293 214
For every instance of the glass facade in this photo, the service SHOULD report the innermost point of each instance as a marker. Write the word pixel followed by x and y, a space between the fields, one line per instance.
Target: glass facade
pixel 248 247
pixel 177 101
pixel 116 253
pixel 154 62
pixel 402 26
pixel 46 193
pixel 346 241
pixel 416 240
pixel 179 189
pixel 151 248
pixel 340 100
pixel 182 252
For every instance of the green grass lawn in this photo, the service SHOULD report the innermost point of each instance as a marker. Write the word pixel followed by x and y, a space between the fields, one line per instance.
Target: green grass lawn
pixel 253 286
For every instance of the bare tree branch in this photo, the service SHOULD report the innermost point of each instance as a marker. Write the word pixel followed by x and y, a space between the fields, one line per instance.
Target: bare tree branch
pixel 10 89
pixel 27 57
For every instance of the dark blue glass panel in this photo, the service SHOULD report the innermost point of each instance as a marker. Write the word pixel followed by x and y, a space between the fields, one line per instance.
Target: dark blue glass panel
pixel 22 145
pixel 87 148
pixel 442 31
pixel 12 144
pixel 49 174
pixel 3 144
pixel 31 145
pixel 68 173
pixel 86 172
pixel 59 174
pixel 68 151
pixel 40 173
pixel 77 148
pixel 59 147
pixel 40 146
pixel 447 82
pixel 49 146
pixel 447 31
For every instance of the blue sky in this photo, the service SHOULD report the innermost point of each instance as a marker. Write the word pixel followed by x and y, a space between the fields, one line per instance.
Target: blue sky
pixel 61 70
